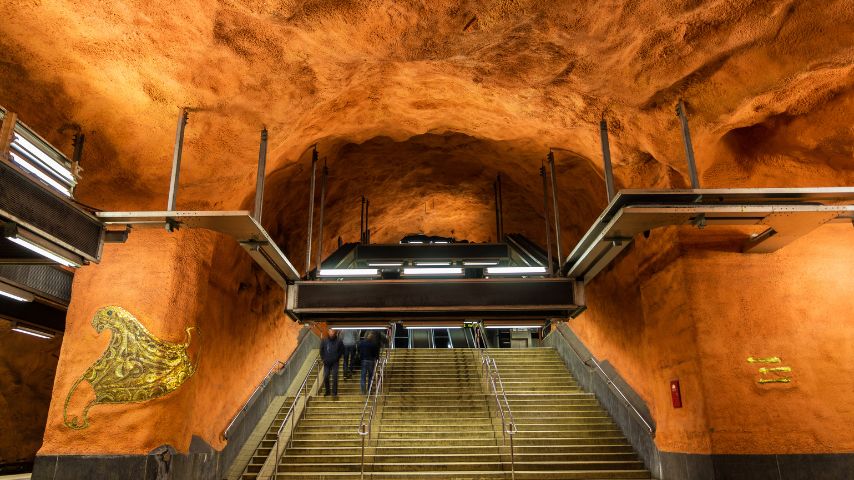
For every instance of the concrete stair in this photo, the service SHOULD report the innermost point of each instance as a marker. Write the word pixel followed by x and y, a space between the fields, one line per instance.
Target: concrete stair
pixel 437 420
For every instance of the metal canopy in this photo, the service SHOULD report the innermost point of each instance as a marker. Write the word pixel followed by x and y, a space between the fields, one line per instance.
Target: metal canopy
pixel 237 224
pixel 358 301
pixel 788 213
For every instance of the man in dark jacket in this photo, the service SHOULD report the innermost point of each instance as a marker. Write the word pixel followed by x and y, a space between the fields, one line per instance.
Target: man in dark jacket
pixel 331 350
pixel 369 350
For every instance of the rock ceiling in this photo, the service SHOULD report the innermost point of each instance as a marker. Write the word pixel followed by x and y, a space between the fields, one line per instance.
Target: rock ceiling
pixel 418 104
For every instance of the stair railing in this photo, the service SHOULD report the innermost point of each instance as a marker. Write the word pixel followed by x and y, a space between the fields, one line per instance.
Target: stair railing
pixel 592 363
pixel 493 379
pixel 278 365
pixel 370 407
pixel 304 392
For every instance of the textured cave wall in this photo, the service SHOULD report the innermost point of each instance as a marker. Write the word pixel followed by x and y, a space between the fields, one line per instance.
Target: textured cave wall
pixel 171 282
pixel 27 367
pixel 417 105
pixel 701 308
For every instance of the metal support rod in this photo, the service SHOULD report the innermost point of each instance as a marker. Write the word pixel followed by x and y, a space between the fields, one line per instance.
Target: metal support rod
pixel 554 202
pixel 606 157
pixel 362 221
pixel 500 211
pixel 259 179
pixel 310 212
pixel 497 220
pixel 367 223
pixel 176 158
pixel 689 148
pixel 547 216
pixel 323 177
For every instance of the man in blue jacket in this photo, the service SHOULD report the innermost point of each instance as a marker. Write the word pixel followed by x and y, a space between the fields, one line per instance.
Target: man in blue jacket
pixel 331 350
pixel 369 350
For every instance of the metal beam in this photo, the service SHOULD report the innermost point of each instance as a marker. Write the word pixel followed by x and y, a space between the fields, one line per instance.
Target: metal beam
pixel 551 158
pixel 547 217
pixel 259 178
pixel 689 147
pixel 176 159
pixel 310 212
pixel 606 158
pixel 323 178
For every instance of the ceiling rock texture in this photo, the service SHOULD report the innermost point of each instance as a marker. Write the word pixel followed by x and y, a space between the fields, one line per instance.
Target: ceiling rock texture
pixel 418 104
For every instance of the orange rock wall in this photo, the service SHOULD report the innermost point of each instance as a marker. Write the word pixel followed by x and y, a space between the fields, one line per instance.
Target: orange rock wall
pixel 27 366
pixel 701 308
pixel 171 282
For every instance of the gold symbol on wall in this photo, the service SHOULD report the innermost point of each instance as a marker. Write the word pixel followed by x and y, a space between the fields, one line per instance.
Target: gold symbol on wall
pixel 771 374
pixel 136 367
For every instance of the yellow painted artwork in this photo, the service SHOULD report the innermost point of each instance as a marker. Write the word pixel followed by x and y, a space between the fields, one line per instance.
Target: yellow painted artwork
pixel 136 367
pixel 771 374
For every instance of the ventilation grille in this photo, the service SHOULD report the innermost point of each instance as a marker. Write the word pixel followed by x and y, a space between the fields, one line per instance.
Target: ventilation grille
pixel 44 280
pixel 37 209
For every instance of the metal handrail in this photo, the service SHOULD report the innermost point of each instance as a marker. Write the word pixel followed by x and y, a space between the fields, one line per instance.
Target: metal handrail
pixel 610 382
pixel 262 384
pixel 508 421
pixel 374 389
pixel 292 414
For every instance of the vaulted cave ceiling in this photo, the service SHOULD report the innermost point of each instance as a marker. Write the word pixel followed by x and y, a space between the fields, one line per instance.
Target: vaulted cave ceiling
pixel 418 105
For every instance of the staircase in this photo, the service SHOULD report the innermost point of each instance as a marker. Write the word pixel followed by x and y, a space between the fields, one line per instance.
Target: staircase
pixel 563 431
pixel 438 420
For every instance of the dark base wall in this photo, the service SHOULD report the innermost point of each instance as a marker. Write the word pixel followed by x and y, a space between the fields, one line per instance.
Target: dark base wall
pixel 202 462
pixel 687 466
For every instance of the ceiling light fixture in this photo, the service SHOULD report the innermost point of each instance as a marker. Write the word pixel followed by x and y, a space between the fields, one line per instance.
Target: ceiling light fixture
pixel 15 293
pixel 35 244
pixel 388 264
pixel 515 270
pixel 432 264
pixel 42 176
pixel 349 272
pixel 479 264
pixel 33 330
pixel 432 271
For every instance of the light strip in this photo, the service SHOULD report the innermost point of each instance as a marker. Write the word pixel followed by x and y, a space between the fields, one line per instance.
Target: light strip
pixel 42 176
pixel 374 327
pixel 421 327
pixel 36 332
pixel 432 271
pixel 15 293
pixel 413 242
pixel 496 327
pixel 349 272
pixel 432 264
pixel 38 153
pixel 515 270
pixel 479 264
pixel 42 251
pixel 440 241
pixel 389 264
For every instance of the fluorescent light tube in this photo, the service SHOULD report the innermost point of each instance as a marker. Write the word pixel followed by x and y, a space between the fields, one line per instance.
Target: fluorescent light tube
pixel 507 327
pixel 441 241
pixel 414 242
pixel 15 293
pixel 433 271
pixel 479 264
pixel 32 330
pixel 31 149
pixel 432 264
pixel 389 264
pixel 515 270
pixel 43 251
pixel 349 272
pixel 373 327
pixel 42 176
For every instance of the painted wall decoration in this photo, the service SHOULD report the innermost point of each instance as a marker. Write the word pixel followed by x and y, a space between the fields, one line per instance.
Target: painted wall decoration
pixel 136 367
pixel 771 374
